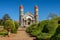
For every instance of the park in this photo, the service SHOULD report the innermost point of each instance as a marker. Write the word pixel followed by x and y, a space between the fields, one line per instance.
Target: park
pixel 29 19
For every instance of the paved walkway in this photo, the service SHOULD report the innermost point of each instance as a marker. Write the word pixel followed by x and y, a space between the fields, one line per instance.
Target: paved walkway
pixel 21 35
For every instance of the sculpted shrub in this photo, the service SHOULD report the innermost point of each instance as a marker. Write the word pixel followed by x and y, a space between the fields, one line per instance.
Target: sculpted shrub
pixel 47 30
pixel 30 28
pixel 10 24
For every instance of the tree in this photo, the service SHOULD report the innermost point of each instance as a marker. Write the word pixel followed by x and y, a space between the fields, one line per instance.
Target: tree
pixel 1 22
pixel 6 17
pixel 12 25
pixel 52 15
pixel 16 27
pixel 9 24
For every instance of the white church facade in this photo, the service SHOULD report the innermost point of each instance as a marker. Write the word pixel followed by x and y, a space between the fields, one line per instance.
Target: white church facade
pixel 27 19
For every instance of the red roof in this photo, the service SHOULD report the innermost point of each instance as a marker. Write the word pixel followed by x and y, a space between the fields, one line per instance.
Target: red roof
pixel 36 6
pixel 21 6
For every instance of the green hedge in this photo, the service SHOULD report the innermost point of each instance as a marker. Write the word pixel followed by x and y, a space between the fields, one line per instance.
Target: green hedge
pixel 46 29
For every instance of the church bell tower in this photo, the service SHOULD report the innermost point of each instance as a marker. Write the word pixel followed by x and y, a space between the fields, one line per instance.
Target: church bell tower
pixel 36 13
pixel 21 16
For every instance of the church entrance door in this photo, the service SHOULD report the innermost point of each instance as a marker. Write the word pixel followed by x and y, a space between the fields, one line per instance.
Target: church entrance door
pixel 29 21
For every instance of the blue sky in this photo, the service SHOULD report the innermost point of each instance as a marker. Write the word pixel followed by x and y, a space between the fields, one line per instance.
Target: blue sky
pixel 45 7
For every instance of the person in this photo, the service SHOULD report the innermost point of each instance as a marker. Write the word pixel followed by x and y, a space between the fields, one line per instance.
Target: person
pixel 9 30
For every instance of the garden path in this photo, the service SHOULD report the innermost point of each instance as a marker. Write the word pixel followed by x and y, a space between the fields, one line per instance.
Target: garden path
pixel 21 35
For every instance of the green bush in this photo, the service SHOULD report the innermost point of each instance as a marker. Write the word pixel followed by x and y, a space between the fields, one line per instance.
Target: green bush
pixel 1 22
pixel 4 32
pixel 56 36
pixel 10 24
pixel 16 27
pixel 30 28
pixel 35 32
pixel 14 30
pixel 46 30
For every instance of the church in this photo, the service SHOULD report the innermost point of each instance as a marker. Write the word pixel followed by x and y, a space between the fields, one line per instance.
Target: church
pixel 28 18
